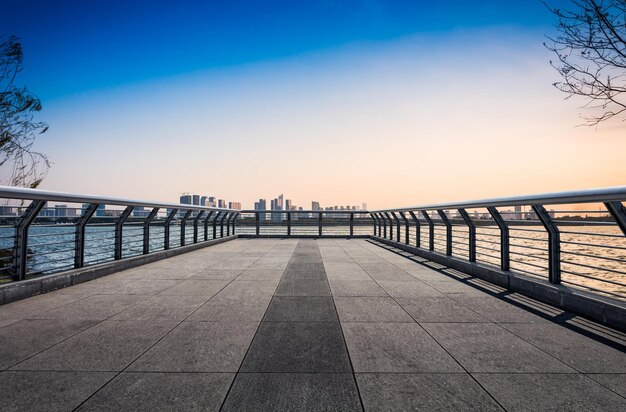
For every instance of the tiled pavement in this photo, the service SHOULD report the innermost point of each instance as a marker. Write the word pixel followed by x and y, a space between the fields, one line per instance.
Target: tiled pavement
pixel 301 325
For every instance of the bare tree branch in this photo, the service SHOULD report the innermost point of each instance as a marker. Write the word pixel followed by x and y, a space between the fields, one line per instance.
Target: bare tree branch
pixel 18 130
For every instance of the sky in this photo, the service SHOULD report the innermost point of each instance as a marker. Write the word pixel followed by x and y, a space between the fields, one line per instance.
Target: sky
pixel 391 103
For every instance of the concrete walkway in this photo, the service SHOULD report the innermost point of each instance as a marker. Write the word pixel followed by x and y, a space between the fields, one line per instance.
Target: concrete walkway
pixel 324 324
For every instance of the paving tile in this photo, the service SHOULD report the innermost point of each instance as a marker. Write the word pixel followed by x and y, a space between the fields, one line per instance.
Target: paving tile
pixel 304 275
pixel 246 292
pixel 36 305
pixel 486 347
pixel 578 351
pixel 412 289
pixel 137 391
pixel 141 287
pixel 303 288
pixel 96 307
pixel 28 337
pixel 260 274
pixel 395 347
pixel 424 391
pixel 163 307
pixel 356 288
pixel 199 347
pixel 211 312
pixel 340 274
pixel 107 346
pixel 497 310
pixel 293 391
pixel 454 287
pixel 438 309
pixel 216 274
pixel 552 392
pixel 615 382
pixel 297 347
pixel 370 309
pixel 48 391
pixel 301 309
pixel 206 288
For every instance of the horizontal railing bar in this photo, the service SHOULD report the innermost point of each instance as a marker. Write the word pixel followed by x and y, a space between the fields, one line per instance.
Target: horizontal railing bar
pixel 617 193
pixel 603 269
pixel 593 256
pixel 48 195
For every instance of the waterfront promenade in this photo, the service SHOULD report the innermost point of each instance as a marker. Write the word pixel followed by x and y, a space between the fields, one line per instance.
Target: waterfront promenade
pixel 289 324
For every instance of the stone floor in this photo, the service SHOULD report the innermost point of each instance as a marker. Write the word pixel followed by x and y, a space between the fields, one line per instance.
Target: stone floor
pixel 324 324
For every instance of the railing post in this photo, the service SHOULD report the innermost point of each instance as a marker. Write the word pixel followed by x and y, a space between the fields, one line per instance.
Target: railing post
pixel 195 226
pixel 504 238
pixel 417 228
pixel 166 229
pixel 21 238
pixel 554 244
pixel 471 227
pixel 206 225
pixel 390 226
pixel 384 225
pixel 222 224
pixel 446 221
pixel 257 219
pixel 319 224
pixel 235 222
pixel 217 215
pixel 374 220
pixel 406 227
pixel 146 230
pixel 230 217
pixel 395 217
pixel 288 223
pixel 351 224
pixel 119 226
pixel 183 224
pixel 618 212
pixel 79 238
pixel 431 231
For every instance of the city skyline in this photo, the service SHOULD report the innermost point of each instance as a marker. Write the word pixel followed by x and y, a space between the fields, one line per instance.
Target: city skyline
pixel 396 108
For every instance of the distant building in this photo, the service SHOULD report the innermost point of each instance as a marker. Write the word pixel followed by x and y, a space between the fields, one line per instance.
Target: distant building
pixel 195 200
pixel 261 205
pixel 315 205
pixel 203 200
pixel 234 205
pixel 186 199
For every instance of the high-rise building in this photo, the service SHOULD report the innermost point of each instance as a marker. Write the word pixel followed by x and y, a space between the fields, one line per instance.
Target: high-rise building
pixel 221 203
pixel 234 205
pixel 203 200
pixel 315 205
pixel 185 199
pixel 101 210
pixel 288 204
pixel 261 205
pixel 195 200
pixel 280 202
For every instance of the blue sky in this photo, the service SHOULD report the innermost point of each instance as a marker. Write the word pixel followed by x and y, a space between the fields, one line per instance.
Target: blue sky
pixel 343 102
pixel 73 46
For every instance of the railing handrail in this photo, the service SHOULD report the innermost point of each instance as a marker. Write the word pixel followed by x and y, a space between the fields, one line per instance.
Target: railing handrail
pixel 616 193
pixel 49 195
pixel 304 211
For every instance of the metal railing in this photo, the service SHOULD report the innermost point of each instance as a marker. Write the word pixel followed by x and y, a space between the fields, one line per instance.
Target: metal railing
pixel 43 232
pixel 304 223
pixel 574 238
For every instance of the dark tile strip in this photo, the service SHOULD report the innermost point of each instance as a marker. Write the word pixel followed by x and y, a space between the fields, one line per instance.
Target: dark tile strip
pixel 298 360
